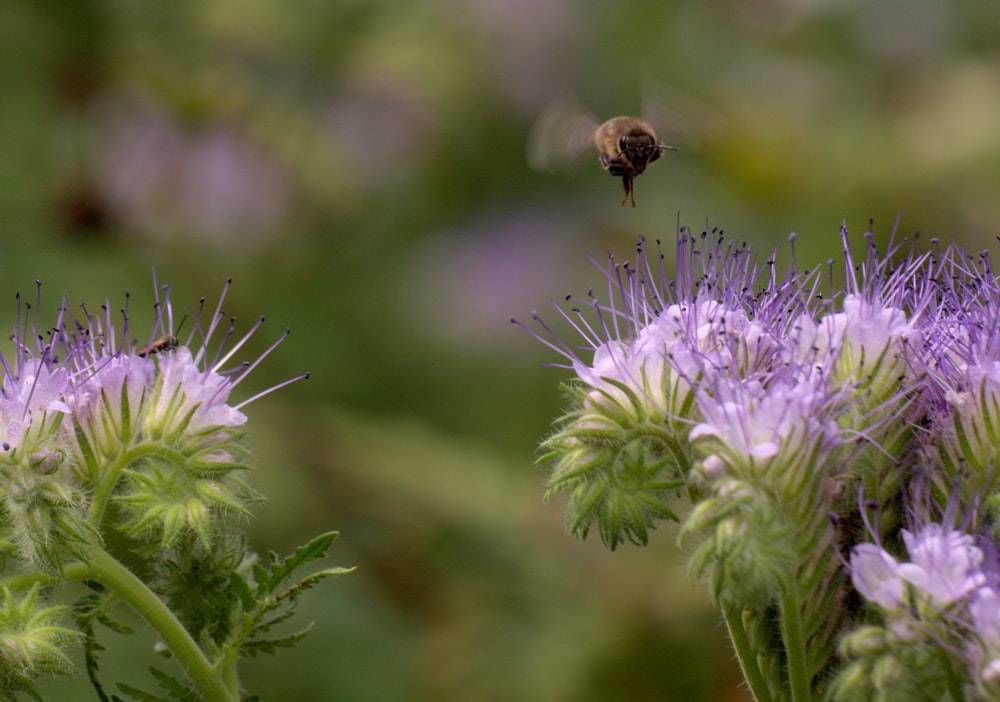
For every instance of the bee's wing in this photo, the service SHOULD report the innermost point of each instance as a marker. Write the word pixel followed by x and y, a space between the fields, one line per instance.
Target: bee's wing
pixel 564 130
pixel 679 118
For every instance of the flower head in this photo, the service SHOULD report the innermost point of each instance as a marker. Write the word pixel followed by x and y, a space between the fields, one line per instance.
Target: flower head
pixel 775 404
pixel 876 576
pixel 944 567
pixel 33 641
pixel 753 424
pixel 734 361
pixel 88 415
pixel 944 564
pixel 623 450
pixel 656 335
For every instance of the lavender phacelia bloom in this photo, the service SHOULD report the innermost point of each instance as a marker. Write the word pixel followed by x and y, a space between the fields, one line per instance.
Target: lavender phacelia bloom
pixel 88 416
pixel 772 399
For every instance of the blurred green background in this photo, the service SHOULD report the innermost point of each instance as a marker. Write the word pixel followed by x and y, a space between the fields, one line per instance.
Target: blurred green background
pixel 358 167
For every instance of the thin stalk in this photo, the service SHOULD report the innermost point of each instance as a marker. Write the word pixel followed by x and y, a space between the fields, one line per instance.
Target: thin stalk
pixel 104 488
pixel 795 650
pixel 952 681
pixel 205 677
pixel 23 581
pixel 745 655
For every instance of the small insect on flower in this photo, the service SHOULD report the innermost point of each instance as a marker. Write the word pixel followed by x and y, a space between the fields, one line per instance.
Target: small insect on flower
pixel 161 345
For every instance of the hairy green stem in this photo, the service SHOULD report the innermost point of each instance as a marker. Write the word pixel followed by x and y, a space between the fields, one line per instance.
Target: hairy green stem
pixel 795 651
pixel 104 488
pixel 213 685
pixel 23 581
pixel 230 674
pixel 745 655
pixel 952 681
pixel 205 677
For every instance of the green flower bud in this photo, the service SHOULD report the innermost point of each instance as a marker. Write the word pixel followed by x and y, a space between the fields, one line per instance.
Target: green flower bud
pixel 32 642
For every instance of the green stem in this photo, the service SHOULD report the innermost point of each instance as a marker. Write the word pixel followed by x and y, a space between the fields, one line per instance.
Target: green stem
pixel 745 655
pixel 103 489
pixel 952 681
pixel 23 581
pixel 206 678
pixel 214 685
pixel 230 675
pixel 681 457
pixel 795 651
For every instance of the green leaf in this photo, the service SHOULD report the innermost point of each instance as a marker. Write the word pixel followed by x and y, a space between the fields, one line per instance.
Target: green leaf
pixel 140 695
pixel 88 611
pixel 264 625
pixel 177 691
pixel 34 693
pixel 271 646
pixel 169 683
pixel 239 585
pixel 259 609
pixel 314 550
pixel 304 584
pixel 262 577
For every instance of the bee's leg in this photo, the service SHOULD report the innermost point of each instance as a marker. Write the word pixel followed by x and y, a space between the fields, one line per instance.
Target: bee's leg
pixel 629 189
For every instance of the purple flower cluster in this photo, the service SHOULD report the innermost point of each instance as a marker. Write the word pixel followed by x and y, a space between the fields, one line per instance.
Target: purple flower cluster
pixel 773 399
pixel 945 566
pixel 751 366
pixel 945 593
pixel 89 417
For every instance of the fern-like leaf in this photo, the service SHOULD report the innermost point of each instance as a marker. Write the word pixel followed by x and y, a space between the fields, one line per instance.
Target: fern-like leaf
pixel 176 690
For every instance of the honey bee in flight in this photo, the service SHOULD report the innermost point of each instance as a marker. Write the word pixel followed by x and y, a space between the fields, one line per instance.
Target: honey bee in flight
pixel 625 145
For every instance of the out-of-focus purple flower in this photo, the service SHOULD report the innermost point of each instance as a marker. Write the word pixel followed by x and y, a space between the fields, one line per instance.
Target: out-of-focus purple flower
pixel 984 650
pixel 944 564
pixel 944 567
pixel 875 575
pixel 164 180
